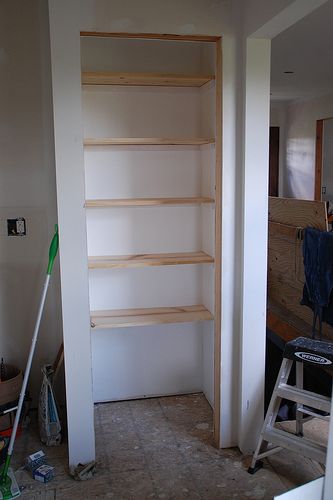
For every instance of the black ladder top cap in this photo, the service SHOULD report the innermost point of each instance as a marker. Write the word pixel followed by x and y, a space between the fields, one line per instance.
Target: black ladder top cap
pixel 315 352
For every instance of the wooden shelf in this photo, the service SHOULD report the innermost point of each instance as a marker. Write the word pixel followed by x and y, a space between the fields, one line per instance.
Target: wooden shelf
pixel 151 36
pixel 149 141
pixel 145 79
pixel 155 316
pixel 146 202
pixel 146 260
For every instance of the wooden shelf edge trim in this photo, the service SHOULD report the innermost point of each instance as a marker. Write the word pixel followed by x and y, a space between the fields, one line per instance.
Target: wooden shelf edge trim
pixel 146 202
pixel 152 36
pixel 148 141
pixel 152 316
pixel 147 260
pixel 145 79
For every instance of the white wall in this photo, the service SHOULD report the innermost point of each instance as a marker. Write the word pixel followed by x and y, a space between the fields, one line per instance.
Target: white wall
pixel 259 12
pixel 328 485
pixel 27 186
pixel 266 19
pixel 126 55
pixel 300 141
pixel 254 256
pixel 187 17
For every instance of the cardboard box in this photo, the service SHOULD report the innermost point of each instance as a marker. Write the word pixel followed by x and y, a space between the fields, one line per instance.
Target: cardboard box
pixel 35 460
pixel 44 473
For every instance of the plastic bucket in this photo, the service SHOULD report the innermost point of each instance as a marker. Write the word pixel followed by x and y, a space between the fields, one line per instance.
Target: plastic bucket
pixel 10 387
pixel 4 442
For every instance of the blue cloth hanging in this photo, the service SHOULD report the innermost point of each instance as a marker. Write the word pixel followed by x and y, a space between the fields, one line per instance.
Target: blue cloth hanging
pixel 318 270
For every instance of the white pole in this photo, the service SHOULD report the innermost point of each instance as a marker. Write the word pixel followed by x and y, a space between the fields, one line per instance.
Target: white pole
pixel 28 367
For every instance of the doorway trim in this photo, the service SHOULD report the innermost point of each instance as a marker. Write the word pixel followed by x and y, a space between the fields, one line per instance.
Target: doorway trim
pixel 319 157
pixel 274 161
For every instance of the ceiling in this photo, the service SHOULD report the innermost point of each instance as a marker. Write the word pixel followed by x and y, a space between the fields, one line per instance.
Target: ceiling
pixel 306 48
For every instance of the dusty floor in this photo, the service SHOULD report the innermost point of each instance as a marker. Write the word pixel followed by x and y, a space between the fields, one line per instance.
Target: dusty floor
pixel 161 449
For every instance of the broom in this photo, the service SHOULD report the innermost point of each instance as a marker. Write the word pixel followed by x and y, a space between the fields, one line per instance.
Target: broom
pixel 8 486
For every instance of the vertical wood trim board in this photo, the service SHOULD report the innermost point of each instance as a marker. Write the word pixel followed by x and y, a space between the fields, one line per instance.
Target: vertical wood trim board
pixel 218 234
pixel 319 159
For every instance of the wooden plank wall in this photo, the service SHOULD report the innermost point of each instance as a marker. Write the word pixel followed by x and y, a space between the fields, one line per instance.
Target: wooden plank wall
pixel 287 218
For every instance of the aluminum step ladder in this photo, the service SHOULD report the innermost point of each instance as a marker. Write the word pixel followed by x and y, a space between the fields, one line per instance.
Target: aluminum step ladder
pixel 308 404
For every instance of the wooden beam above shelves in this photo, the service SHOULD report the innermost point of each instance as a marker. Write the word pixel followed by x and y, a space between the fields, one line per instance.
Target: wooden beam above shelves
pixel 146 260
pixel 146 202
pixel 145 79
pixel 153 316
pixel 151 36
pixel 149 141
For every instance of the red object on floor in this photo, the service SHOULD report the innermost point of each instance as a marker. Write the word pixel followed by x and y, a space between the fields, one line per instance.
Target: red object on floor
pixel 8 432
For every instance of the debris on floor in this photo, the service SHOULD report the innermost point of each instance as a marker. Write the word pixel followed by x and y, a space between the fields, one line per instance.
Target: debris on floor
pixel 161 448
pixel 83 471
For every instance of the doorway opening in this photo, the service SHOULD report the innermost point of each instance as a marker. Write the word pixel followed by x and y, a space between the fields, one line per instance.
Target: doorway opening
pixel 324 160
pixel 274 146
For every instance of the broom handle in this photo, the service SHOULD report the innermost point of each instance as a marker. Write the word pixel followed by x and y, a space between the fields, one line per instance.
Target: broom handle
pixel 26 377
pixel 29 363
pixel 52 254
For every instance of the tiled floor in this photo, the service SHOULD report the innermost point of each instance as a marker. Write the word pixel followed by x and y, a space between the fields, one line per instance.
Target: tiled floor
pixel 161 449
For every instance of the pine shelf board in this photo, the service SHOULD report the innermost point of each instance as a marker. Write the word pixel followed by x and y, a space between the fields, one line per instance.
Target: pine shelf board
pixel 148 141
pixel 145 79
pixel 147 260
pixel 146 202
pixel 151 36
pixel 153 316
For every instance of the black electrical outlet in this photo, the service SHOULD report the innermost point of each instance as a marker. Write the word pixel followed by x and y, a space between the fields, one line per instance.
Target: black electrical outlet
pixel 16 227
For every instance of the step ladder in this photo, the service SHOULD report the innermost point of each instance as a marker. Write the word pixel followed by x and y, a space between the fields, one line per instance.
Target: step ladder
pixel 308 404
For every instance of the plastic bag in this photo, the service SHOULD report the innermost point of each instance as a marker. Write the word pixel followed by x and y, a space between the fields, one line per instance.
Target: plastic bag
pixel 48 417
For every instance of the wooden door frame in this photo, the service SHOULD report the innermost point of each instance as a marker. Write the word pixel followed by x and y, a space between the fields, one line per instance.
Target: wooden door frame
pixel 217 40
pixel 272 133
pixel 319 157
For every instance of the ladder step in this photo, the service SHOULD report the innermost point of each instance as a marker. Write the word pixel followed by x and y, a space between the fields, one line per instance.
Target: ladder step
pixel 313 414
pixel 307 398
pixel 298 444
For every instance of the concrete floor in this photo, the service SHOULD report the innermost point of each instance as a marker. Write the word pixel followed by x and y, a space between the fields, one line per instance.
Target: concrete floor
pixel 161 448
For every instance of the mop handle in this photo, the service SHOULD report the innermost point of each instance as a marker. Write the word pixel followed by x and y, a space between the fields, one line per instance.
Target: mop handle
pixel 52 254
pixel 53 250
